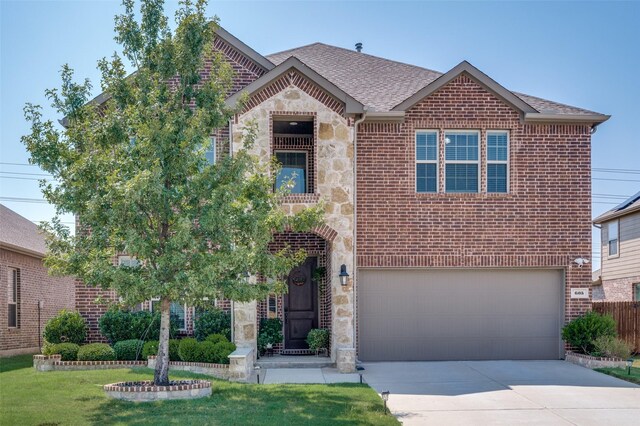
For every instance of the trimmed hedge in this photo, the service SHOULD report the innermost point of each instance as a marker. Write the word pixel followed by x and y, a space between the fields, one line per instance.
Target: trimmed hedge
pixel 151 348
pixel 96 352
pixel 216 338
pixel 66 327
pixel 129 350
pixel 67 351
pixel 581 332
pixel 117 325
pixel 215 349
pixel 188 349
pixel 212 321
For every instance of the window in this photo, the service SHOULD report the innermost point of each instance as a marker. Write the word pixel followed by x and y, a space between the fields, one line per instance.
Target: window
pixel 272 306
pixel 128 261
pixel 612 234
pixel 636 292
pixel 461 161
pixel 497 161
pixel 294 168
pixel 176 310
pixel 427 161
pixel 210 153
pixel 13 297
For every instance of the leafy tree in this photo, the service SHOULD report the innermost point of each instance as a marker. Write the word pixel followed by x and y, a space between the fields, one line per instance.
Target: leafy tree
pixel 133 169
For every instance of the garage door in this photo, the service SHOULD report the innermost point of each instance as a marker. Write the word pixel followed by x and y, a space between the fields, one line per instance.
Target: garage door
pixel 418 314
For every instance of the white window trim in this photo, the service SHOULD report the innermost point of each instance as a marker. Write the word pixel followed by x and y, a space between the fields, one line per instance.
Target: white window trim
pixel 436 161
pixel 213 143
pixel 306 161
pixel 13 273
pixel 507 162
pixel 184 306
pixel 617 240
pixel 478 161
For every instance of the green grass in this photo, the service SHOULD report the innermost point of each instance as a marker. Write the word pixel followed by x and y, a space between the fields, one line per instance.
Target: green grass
pixel 28 397
pixel 621 373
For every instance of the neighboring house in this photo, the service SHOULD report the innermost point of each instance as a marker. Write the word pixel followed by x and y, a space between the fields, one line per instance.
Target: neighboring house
pixel 28 295
pixel 456 205
pixel 620 252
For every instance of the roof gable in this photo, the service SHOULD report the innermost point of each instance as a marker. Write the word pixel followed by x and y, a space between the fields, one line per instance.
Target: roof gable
pixel 351 105
pixel 476 75
pixel 20 234
pixel 628 206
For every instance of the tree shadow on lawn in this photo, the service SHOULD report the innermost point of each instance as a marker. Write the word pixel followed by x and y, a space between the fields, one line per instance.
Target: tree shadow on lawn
pixel 246 404
pixel 16 363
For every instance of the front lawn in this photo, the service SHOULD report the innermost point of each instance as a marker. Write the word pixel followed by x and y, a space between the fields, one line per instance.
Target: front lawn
pixel 621 373
pixel 28 397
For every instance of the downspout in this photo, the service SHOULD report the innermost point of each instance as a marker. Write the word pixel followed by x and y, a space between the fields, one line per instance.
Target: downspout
pixel 355 221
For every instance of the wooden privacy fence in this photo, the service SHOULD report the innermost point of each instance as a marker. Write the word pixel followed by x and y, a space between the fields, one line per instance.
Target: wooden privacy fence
pixel 627 316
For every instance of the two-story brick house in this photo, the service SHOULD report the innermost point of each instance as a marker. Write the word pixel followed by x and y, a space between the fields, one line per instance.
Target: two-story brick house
pixel 619 276
pixel 456 206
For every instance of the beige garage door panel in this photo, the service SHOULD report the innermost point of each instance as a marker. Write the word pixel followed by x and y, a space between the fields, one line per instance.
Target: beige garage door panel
pixel 410 315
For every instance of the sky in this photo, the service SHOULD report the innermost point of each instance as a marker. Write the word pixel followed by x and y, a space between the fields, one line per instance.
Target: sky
pixel 580 53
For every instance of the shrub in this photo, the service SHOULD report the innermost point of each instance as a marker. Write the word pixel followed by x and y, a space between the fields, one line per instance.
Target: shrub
pixel 128 350
pixel 223 350
pixel 151 348
pixel 216 338
pixel 270 332
pixel 206 352
pixel 187 349
pixel 611 347
pixel 96 352
pixel 582 331
pixel 212 321
pixel 66 327
pixel 118 325
pixel 68 351
pixel 318 338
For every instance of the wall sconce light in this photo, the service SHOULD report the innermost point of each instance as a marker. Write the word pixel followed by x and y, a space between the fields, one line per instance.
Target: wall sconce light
pixel 344 275
pixel 581 261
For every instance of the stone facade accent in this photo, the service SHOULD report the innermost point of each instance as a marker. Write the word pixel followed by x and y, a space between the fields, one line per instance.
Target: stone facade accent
pixel 616 290
pixel 534 225
pixel 241 363
pixel 245 326
pixel 594 362
pixel 291 95
pixel 35 285
pixel 145 391
pixel 346 360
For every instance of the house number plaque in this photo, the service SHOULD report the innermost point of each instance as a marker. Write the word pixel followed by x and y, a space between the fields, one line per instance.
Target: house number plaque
pixel 579 293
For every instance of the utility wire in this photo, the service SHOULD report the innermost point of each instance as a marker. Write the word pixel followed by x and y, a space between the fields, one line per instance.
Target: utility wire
pixel 27 174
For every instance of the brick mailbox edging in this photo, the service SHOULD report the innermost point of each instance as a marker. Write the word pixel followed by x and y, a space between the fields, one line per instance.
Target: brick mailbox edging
pixel 144 391
pixel 593 361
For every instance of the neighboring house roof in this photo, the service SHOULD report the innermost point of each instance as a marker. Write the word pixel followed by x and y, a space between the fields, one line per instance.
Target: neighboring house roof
pixel 384 85
pixel 628 206
pixel 352 106
pixel 20 234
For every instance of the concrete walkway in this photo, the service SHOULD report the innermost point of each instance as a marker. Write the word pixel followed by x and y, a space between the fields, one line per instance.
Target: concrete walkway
pixel 305 375
pixel 504 393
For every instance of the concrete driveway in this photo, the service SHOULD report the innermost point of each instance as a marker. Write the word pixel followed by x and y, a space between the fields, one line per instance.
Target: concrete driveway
pixel 504 393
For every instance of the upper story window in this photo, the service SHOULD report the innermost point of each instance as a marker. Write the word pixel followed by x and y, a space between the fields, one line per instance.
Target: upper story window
pixel 497 161
pixel 128 261
pixel 612 237
pixel 293 171
pixel 427 161
pixel 210 153
pixel 462 166
pixel 13 298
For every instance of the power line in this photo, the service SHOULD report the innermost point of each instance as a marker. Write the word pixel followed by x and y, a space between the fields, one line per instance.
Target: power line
pixel 24 200
pixel 628 171
pixel 616 180
pixel 18 164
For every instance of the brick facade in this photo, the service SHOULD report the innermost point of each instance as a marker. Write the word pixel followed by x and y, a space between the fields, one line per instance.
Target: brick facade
pixel 543 221
pixel 35 284
pixel 616 290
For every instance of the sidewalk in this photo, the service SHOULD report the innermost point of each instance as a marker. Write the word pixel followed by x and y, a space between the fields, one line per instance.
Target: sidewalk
pixel 324 375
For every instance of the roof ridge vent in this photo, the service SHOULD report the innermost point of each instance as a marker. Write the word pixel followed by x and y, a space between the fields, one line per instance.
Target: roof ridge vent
pixel 358 47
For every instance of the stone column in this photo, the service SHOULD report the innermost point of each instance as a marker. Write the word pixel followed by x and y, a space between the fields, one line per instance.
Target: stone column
pixel 245 326
pixel 343 345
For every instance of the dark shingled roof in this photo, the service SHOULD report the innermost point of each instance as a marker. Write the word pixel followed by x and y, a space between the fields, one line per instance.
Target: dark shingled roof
pixel 630 205
pixel 381 83
pixel 20 234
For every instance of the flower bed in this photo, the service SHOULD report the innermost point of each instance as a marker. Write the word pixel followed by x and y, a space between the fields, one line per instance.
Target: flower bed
pixel 594 361
pixel 144 391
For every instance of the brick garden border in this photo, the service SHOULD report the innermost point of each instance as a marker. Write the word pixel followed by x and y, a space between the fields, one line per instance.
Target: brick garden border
pixel 594 361
pixel 144 391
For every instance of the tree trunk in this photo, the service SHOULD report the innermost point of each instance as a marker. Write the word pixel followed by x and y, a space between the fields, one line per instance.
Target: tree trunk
pixel 161 374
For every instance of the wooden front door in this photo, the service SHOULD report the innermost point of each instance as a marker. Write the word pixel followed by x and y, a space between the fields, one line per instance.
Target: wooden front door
pixel 300 305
